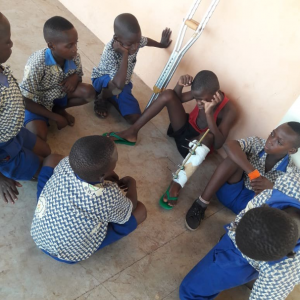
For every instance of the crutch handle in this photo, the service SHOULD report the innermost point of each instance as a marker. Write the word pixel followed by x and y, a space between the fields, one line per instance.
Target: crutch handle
pixel 157 90
pixel 192 24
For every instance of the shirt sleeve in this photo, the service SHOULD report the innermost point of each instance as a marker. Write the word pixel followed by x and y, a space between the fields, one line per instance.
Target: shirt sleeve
pixel 143 42
pixel 252 144
pixel 78 64
pixel 121 208
pixel 277 281
pixel 33 74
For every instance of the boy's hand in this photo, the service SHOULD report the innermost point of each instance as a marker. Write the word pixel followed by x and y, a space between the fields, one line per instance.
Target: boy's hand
pixel 209 106
pixel 61 122
pixel 8 189
pixel 118 47
pixel 261 183
pixel 125 182
pixel 70 83
pixel 185 80
pixel 113 177
pixel 165 38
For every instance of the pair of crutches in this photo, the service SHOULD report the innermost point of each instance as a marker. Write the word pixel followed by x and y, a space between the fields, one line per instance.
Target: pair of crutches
pixel 180 51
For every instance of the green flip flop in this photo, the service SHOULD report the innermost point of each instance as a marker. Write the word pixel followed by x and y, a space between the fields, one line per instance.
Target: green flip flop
pixel 164 204
pixel 119 140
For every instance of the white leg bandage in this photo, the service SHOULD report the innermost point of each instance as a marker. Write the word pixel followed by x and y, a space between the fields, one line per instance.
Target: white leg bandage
pixel 192 163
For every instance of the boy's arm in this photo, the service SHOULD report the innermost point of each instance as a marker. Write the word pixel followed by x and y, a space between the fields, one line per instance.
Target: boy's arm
pixel 220 133
pixel 8 189
pixel 129 184
pixel 42 111
pixel 164 42
pixel 185 80
pixel 120 77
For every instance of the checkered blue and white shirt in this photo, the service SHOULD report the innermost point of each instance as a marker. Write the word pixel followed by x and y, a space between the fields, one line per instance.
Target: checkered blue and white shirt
pixel 111 60
pixel 276 280
pixel 71 217
pixel 42 77
pixel 12 109
pixel 254 149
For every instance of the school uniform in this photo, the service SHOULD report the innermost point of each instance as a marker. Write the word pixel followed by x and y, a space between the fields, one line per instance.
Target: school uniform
pixel 237 195
pixel 225 267
pixel 73 218
pixel 105 72
pixel 42 81
pixel 17 160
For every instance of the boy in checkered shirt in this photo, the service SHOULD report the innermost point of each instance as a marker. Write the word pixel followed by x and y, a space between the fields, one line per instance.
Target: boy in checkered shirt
pixel 21 152
pixel 263 243
pixel 52 79
pixel 81 207
pixel 112 77
pixel 252 166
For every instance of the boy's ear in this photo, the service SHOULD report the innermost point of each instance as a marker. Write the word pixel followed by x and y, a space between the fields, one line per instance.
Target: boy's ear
pixel 293 151
pixel 50 45
pixel 115 37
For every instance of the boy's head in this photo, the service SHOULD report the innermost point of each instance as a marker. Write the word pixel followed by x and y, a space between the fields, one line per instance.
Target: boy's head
pixel 61 37
pixel 266 234
pixel 93 157
pixel 5 41
pixel 285 139
pixel 204 86
pixel 127 32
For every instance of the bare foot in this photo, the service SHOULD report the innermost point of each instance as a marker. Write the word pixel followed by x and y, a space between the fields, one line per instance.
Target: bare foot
pixel 173 192
pixel 61 111
pixel 101 108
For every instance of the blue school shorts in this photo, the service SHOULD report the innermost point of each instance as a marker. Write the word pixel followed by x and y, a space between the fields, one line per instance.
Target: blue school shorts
pixel 29 116
pixel 235 196
pixel 127 104
pixel 17 160
pixel 114 231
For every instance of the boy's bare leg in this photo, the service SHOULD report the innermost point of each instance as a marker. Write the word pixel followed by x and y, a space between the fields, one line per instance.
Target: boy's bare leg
pixel 41 148
pixel 39 128
pixel 140 213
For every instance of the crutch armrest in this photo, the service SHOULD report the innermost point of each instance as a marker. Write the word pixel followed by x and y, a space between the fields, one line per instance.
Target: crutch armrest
pixel 192 24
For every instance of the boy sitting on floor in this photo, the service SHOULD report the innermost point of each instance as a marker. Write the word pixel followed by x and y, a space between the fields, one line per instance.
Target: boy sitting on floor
pixel 262 243
pixel 213 111
pixel 52 79
pixel 112 77
pixel 78 211
pixel 21 152
pixel 252 166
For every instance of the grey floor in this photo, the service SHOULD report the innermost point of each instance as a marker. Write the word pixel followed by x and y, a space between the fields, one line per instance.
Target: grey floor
pixel 151 262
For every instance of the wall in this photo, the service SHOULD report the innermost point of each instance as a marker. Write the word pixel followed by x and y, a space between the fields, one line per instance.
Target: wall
pixel 253 47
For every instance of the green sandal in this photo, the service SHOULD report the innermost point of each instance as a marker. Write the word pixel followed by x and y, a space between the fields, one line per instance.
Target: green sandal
pixel 119 139
pixel 164 204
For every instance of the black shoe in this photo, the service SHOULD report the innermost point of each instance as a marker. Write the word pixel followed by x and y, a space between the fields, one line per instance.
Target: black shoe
pixel 194 216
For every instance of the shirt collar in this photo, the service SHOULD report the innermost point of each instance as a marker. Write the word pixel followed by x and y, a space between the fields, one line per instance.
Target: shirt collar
pixel 50 61
pixel 92 183
pixel 280 166
pixel 4 80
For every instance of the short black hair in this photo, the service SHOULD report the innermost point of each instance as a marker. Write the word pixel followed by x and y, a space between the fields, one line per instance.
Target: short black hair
pixel 266 234
pixel 206 81
pixel 90 156
pixel 126 23
pixel 55 26
pixel 296 128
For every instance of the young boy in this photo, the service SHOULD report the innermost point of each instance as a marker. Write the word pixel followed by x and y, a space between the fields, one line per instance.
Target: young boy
pixel 78 212
pixel 262 243
pixel 252 166
pixel 52 79
pixel 112 77
pixel 21 152
pixel 213 111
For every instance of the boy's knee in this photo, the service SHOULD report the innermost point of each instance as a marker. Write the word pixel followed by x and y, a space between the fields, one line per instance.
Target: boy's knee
pixel 140 213
pixel 88 91
pixel 168 96
pixel 52 160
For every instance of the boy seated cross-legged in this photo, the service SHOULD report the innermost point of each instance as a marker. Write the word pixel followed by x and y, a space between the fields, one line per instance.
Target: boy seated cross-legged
pixel 213 111
pixel 52 79
pixel 81 207
pixel 252 165
pixel 112 78
pixel 21 152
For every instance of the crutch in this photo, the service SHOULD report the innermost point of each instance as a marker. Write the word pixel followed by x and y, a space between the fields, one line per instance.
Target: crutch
pixel 179 51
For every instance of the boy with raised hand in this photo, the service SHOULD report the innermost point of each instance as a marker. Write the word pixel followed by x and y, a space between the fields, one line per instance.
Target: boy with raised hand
pixel 81 208
pixel 112 77
pixel 21 152
pixel 263 243
pixel 213 111
pixel 52 79
pixel 252 165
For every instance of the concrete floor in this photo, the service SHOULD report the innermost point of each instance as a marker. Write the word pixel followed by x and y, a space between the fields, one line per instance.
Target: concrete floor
pixel 151 262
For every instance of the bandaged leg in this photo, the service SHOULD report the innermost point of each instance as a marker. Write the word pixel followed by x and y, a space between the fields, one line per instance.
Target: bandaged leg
pixel 191 162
